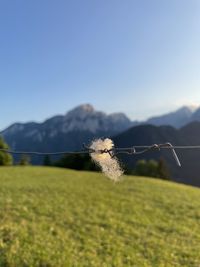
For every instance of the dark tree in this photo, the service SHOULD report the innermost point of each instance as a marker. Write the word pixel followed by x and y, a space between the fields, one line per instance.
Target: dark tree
pixel 152 168
pixel 163 170
pixel 25 160
pixel 5 158
pixel 47 161
pixel 141 168
pixel 76 162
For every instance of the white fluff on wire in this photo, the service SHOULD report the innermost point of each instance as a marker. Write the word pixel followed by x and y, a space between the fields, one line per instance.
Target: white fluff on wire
pixel 109 165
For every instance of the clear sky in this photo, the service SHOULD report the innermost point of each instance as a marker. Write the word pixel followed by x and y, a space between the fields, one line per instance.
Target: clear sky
pixel 141 57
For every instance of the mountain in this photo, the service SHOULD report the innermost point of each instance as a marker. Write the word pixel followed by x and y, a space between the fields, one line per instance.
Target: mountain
pixel 189 173
pixel 196 115
pixel 86 118
pixel 84 123
pixel 176 119
pixel 67 132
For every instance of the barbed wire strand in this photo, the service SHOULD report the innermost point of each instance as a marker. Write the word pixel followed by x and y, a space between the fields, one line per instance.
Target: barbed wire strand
pixel 134 150
pixel 43 153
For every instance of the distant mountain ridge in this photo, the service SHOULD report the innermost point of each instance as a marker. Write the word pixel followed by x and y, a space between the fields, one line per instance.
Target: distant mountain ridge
pixel 69 131
pixel 176 118
pixel 81 118
pixel 189 172
pixel 83 123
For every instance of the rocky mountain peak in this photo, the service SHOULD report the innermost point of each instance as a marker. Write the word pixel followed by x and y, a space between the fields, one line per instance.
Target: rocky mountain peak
pixel 78 111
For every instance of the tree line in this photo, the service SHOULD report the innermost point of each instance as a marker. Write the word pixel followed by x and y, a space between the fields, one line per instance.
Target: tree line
pixel 150 168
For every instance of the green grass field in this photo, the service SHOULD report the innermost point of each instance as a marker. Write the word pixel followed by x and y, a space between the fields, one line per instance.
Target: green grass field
pixel 56 217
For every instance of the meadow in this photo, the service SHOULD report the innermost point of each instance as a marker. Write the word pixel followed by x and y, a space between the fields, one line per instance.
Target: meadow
pixel 56 217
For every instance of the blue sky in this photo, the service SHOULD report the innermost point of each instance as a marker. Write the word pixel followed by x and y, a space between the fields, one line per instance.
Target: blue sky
pixel 137 56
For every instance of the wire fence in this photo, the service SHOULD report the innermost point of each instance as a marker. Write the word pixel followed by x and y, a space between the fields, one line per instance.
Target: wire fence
pixel 133 150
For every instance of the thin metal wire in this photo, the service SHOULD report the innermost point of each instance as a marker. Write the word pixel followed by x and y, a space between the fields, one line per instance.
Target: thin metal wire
pixel 87 150
pixel 43 153
pixel 134 150
pixel 175 147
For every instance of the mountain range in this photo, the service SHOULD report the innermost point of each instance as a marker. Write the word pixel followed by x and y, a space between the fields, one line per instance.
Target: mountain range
pixel 178 118
pixel 189 172
pixel 84 123
pixel 65 132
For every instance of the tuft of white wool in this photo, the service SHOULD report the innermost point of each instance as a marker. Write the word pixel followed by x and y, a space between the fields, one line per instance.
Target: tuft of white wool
pixel 108 164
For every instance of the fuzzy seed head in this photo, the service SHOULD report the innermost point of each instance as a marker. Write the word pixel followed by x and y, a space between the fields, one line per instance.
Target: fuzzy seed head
pixel 108 164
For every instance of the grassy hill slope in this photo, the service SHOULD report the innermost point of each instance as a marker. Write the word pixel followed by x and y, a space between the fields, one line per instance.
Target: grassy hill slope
pixel 56 217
